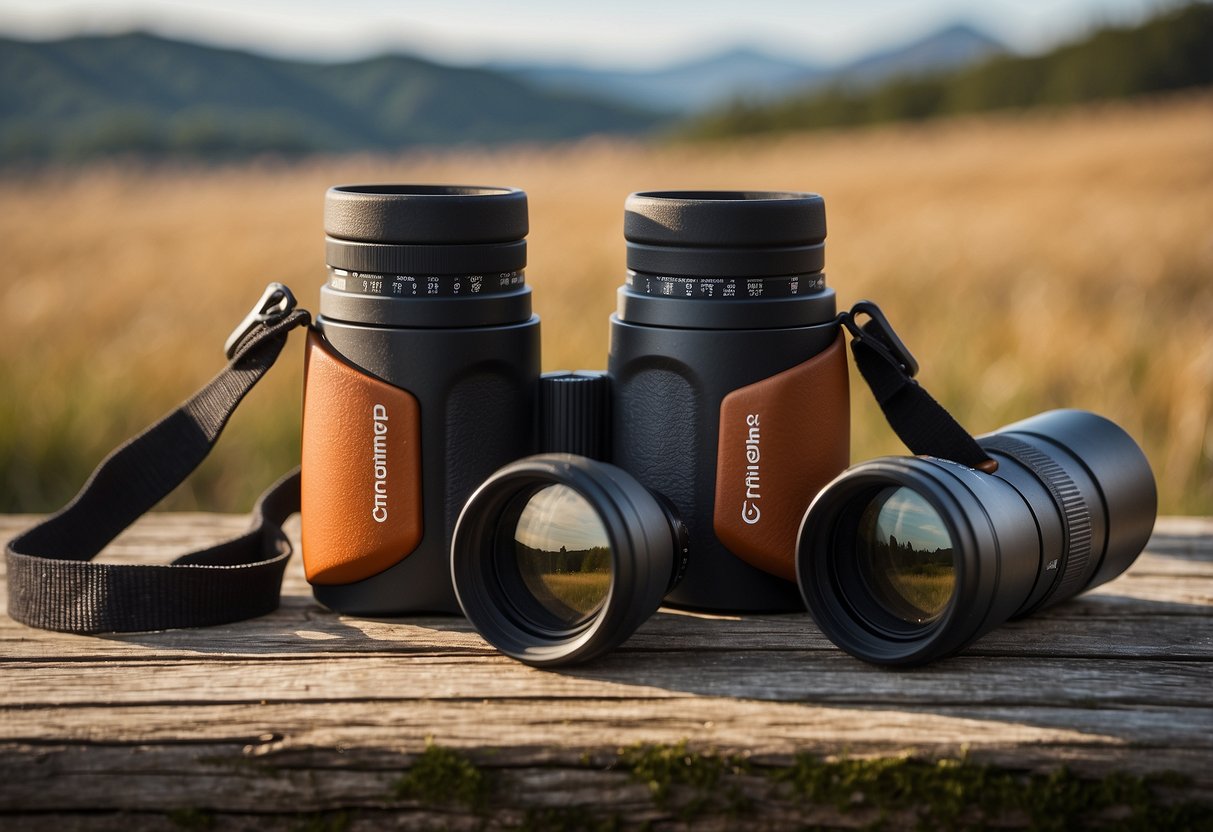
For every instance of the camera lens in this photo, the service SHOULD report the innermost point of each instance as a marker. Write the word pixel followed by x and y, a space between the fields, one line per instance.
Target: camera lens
pixel 559 558
pixel 562 555
pixel 905 555
pixel 903 560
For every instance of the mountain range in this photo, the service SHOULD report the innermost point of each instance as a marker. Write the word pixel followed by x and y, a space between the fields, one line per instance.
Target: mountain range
pixel 1168 52
pixel 754 74
pixel 142 94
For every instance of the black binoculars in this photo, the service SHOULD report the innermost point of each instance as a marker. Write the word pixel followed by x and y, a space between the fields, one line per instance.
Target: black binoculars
pixel 443 473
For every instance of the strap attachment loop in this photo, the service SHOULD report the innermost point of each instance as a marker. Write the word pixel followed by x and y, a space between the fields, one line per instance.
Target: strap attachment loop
pixel 888 367
pixel 878 333
pixel 277 301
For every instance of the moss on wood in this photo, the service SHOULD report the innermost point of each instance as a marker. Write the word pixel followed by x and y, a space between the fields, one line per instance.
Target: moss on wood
pixel 686 784
pixel 442 776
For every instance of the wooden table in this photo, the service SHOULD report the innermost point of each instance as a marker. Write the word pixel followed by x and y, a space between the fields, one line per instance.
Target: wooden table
pixel 309 720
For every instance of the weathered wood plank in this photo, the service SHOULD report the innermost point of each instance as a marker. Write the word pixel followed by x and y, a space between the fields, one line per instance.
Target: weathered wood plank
pixel 791 675
pixel 226 778
pixel 301 629
pixel 559 726
pixel 1150 590
pixel 307 711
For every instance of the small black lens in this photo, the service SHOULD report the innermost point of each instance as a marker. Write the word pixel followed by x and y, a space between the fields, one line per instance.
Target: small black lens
pixel 904 560
pixel 906 555
pixel 558 558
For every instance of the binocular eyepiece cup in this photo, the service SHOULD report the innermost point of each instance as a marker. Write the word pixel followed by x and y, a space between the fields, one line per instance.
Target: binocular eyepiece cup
pixel 725 260
pixel 904 560
pixel 425 214
pixel 461 249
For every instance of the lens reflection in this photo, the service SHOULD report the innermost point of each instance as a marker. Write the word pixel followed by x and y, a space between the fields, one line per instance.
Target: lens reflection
pixel 906 555
pixel 563 554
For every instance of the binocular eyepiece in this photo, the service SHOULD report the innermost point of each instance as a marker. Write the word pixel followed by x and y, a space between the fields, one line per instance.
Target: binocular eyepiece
pixel 441 473
pixel 388 244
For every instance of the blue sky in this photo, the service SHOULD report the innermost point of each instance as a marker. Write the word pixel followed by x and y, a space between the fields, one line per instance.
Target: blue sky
pixel 908 517
pixel 639 33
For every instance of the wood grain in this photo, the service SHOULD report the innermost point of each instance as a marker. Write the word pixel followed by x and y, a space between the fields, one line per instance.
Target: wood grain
pixel 257 724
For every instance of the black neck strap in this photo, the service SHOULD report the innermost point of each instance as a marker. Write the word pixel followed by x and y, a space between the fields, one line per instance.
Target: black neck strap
pixel 922 423
pixel 52 583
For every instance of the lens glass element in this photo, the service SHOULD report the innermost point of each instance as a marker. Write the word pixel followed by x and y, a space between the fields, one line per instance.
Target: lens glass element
pixel 563 554
pixel 905 555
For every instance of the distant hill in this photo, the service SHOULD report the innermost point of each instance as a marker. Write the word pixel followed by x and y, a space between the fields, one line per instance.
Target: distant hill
pixel 683 87
pixel 1172 51
pixel 85 97
pixel 957 46
pixel 752 74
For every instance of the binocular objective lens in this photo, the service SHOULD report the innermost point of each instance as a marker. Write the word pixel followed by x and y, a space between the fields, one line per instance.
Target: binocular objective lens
pixel 563 555
pixel 905 555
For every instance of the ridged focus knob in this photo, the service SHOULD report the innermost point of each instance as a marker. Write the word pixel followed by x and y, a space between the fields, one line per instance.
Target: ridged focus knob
pixel 575 413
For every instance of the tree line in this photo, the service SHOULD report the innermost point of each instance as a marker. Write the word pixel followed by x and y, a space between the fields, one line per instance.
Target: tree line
pixel 1171 51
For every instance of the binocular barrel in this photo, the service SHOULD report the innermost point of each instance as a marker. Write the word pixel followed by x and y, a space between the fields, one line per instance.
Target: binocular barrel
pixel 730 381
pixel 421 379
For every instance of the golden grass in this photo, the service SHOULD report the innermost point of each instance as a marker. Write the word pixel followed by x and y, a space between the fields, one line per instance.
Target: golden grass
pixel 927 592
pixel 580 592
pixel 1050 260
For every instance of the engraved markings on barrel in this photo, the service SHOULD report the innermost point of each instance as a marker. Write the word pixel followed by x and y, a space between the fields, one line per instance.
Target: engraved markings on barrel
pixel 750 512
pixel 407 285
pixel 675 286
pixel 379 446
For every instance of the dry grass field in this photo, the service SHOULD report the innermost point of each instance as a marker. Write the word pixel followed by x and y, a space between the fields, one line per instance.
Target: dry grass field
pixel 1031 262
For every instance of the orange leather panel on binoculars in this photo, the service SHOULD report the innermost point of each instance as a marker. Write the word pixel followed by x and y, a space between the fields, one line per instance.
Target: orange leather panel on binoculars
pixel 361 487
pixel 781 440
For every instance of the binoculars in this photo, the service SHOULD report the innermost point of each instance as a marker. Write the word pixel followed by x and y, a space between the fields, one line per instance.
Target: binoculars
pixel 706 468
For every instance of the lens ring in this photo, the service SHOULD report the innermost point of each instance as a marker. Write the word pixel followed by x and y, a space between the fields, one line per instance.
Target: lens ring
pixel 749 219
pixel 409 214
pixel 426 256
pixel 642 546
pixel 1077 565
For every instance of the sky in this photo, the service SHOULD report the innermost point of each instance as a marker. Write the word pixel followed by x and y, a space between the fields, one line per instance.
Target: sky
pixel 908 517
pixel 559 516
pixel 603 33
